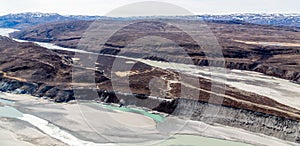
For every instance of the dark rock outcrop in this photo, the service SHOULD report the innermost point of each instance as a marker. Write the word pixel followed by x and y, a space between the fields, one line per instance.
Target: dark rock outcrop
pixel 52 93
pixel 276 126
pixel 17 87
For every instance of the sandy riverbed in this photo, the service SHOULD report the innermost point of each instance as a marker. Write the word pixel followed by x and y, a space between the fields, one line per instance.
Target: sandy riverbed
pixel 100 126
pixel 95 124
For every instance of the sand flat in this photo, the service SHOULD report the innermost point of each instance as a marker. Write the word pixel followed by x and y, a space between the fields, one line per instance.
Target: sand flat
pixel 20 133
pixel 286 44
pixel 9 138
pixel 100 126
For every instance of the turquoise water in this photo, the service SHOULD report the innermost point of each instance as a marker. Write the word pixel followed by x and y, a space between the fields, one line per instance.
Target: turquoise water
pixel 8 111
pixel 191 140
pixel 7 102
pixel 155 117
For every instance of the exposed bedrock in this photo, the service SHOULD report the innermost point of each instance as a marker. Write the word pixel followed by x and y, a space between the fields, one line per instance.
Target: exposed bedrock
pixel 17 87
pixel 39 90
pixel 271 125
pixel 280 127
pixel 276 126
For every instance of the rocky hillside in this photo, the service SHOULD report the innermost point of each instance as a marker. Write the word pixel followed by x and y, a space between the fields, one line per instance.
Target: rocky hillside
pixel 29 19
pixel 31 62
pixel 49 72
pixel 27 68
pixel 22 20
pixel 264 19
pixel 267 49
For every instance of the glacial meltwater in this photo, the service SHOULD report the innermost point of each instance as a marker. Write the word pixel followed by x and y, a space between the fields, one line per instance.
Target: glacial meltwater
pixel 155 117
pixel 7 111
pixel 248 81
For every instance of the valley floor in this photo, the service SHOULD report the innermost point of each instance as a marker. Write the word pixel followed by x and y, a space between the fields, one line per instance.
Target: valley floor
pixel 34 121
pixel 27 120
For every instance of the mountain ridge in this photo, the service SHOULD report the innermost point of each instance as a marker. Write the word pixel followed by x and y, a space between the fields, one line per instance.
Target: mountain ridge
pixel 28 19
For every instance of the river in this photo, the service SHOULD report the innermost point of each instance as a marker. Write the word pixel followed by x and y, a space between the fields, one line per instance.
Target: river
pixel 287 93
pixel 7 110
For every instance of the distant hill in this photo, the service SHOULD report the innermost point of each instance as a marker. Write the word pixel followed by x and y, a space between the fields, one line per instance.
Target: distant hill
pixel 22 20
pixel 264 19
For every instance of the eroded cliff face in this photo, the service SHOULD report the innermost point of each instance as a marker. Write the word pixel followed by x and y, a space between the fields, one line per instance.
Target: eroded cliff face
pixel 56 94
pixel 257 122
pixel 250 120
pixel 279 127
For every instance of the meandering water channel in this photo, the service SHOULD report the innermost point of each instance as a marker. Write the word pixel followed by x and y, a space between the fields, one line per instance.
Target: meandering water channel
pixel 285 91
